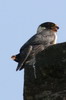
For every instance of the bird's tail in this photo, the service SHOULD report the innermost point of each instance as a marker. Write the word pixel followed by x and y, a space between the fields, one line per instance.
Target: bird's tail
pixel 20 66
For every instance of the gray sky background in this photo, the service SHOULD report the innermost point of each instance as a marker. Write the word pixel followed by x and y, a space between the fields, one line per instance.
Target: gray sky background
pixel 19 20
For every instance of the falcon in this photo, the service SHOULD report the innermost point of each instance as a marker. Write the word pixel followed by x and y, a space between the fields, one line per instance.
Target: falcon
pixel 45 36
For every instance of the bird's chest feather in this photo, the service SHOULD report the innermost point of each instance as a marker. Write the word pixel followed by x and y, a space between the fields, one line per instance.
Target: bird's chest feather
pixel 55 40
pixel 49 38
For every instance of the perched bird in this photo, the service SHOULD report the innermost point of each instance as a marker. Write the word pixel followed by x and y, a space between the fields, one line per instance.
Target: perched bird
pixel 46 35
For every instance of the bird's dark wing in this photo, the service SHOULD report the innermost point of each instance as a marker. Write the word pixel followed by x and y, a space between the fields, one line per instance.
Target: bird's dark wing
pixel 32 41
pixel 26 50
pixel 34 45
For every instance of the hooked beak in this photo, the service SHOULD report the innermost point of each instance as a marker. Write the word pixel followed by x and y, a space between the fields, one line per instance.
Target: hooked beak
pixel 55 28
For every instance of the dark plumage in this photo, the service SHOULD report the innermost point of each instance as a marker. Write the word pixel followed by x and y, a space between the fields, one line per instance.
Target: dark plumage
pixel 45 36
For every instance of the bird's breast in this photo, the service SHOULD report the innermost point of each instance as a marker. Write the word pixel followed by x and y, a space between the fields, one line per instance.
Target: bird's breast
pixel 55 40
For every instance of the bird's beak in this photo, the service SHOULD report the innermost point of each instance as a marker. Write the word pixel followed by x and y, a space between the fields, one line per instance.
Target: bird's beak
pixel 55 28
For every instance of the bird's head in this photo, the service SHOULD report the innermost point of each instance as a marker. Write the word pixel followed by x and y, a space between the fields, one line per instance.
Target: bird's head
pixel 48 25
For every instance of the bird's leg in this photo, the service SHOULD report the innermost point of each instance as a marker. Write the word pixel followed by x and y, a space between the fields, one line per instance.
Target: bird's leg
pixel 34 69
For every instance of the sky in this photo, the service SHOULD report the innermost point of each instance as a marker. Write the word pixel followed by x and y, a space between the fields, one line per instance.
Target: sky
pixel 19 20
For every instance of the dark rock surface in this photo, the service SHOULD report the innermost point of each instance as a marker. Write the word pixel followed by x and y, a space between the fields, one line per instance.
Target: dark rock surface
pixel 47 81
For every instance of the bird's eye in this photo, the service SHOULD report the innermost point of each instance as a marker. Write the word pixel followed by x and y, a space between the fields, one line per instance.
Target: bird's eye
pixel 52 25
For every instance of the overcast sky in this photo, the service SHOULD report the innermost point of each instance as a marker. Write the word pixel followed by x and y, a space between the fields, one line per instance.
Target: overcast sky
pixel 19 20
